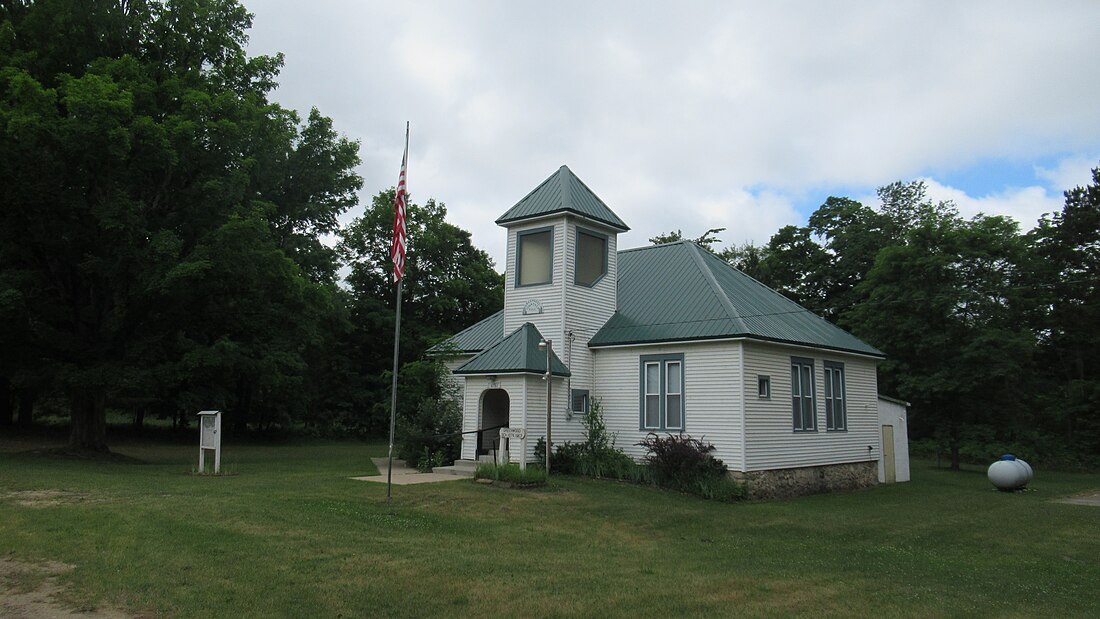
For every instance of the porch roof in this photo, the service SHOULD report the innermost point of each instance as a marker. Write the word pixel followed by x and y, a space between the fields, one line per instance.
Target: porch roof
pixel 517 353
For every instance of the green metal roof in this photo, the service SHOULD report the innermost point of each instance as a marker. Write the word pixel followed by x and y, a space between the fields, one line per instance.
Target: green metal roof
pixel 562 192
pixel 680 291
pixel 519 352
pixel 477 338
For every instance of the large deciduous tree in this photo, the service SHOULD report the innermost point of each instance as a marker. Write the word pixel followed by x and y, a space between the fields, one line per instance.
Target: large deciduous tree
pixel 449 285
pixel 944 305
pixel 160 213
pixel 1068 249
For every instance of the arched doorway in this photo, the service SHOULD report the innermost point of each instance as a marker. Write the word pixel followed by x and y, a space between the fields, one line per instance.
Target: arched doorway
pixel 494 415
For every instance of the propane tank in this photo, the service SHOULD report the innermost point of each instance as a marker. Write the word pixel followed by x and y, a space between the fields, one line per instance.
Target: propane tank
pixel 1010 473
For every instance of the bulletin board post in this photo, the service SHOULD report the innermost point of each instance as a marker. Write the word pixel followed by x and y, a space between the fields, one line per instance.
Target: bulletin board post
pixel 210 439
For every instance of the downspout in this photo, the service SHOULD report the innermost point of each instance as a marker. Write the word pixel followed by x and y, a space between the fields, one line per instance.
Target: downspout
pixel 744 407
pixel 524 457
pixel 569 379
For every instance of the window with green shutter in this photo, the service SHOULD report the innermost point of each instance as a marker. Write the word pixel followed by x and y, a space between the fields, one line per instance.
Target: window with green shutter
pixel 836 415
pixel 802 394
pixel 661 393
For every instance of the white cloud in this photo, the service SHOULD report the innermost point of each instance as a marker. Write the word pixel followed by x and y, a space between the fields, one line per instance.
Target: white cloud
pixel 1069 173
pixel 676 113
pixel 1026 204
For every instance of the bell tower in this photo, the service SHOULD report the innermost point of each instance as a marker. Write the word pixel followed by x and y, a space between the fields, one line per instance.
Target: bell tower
pixel 561 269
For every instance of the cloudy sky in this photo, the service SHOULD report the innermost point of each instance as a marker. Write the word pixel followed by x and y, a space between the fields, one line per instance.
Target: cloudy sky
pixel 693 115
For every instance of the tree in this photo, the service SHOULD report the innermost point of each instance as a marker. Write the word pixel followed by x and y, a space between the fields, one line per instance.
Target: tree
pixel 449 285
pixel 150 158
pixel 852 235
pixel 944 306
pixel 794 264
pixel 1067 246
pixel 708 239
pixel 750 259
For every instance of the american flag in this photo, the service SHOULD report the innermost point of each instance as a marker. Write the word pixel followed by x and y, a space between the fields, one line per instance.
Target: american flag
pixel 397 250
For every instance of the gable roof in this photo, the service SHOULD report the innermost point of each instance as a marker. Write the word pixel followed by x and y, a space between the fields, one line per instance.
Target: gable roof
pixel 517 353
pixel 680 291
pixel 562 192
pixel 473 339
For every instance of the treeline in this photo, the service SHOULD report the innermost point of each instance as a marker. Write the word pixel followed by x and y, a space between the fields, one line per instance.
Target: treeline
pixel 170 237
pixel 993 335
pixel 170 241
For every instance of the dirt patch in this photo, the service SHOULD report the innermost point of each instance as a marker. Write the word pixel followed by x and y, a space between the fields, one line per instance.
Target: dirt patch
pixel 30 591
pixel 1091 497
pixel 46 498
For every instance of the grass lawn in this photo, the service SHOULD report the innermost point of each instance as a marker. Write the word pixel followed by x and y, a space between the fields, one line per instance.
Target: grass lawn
pixel 290 535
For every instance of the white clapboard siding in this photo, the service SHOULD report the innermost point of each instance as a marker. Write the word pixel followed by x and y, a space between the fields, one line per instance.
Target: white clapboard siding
pixel 586 309
pixel 549 296
pixel 471 409
pixel 712 395
pixel 526 408
pixel 562 428
pixel 772 443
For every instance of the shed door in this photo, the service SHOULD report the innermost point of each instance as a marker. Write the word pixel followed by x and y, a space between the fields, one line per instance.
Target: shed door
pixel 888 454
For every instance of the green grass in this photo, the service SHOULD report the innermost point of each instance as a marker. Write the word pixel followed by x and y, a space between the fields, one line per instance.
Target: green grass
pixel 291 535
pixel 512 473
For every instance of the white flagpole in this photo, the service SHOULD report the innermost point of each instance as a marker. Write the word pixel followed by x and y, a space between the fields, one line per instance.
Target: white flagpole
pixel 397 322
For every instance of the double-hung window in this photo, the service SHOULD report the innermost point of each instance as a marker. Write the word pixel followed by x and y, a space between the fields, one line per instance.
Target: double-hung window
pixel 802 394
pixel 836 416
pixel 662 392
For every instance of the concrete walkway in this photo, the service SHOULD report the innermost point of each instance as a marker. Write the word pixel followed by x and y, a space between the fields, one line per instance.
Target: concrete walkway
pixel 403 475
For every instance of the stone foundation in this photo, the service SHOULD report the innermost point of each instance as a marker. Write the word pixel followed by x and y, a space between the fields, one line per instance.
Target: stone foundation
pixel 785 483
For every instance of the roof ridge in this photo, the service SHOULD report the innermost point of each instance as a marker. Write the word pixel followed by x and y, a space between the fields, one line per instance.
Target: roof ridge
pixel 566 187
pixel 643 247
pixel 723 298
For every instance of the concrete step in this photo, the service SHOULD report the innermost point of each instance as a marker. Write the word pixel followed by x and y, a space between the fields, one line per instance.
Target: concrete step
pixel 461 468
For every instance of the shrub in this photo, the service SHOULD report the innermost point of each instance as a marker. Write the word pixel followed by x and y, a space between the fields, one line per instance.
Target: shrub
pixel 430 459
pixel 431 435
pixel 687 464
pixel 567 457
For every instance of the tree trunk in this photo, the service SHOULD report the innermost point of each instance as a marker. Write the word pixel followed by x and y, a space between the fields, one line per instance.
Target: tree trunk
pixel 139 418
pixel 88 422
pixel 27 398
pixel 7 404
pixel 954 456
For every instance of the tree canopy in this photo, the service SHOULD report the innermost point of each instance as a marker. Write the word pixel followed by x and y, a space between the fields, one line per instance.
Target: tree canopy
pixel 164 232
pixel 991 334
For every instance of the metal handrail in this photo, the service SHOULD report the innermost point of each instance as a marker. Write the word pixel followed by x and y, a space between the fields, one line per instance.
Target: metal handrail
pixel 481 433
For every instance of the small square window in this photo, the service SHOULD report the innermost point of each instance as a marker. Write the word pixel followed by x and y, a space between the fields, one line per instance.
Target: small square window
pixel 580 401
pixel 764 387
